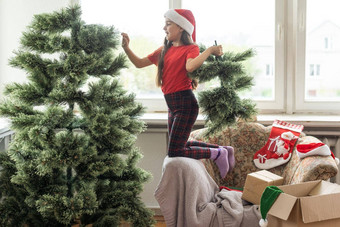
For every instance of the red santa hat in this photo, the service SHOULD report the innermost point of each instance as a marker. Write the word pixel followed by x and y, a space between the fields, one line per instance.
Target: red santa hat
pixel 185 19
pixel 304 150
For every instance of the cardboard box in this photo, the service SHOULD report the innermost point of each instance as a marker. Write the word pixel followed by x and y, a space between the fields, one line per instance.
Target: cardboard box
pixel 312 204
pixel 256 183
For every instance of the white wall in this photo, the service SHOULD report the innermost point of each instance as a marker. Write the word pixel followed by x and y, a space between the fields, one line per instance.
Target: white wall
pixel 15 16
pixel 153 145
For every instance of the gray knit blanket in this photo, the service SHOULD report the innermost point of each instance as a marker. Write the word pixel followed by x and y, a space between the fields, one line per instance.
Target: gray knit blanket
pixel 189 197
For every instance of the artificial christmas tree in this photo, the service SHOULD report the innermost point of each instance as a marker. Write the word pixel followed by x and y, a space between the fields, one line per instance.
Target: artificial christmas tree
pixel 222 105
pixel 73 158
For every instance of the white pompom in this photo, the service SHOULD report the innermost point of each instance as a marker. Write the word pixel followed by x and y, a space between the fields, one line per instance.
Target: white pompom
pixel 336 161
pixel 263 223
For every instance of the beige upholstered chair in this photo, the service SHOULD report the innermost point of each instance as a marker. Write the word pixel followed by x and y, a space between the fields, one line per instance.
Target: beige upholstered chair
pixel 247 138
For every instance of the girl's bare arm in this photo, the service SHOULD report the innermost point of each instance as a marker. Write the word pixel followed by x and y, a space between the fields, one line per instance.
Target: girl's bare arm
pixel 137 61
pixel 194 63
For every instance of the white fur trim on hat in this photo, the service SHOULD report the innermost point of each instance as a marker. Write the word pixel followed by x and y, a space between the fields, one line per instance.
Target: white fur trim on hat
pixel 180 20
pixel 263 223
pixel 304 150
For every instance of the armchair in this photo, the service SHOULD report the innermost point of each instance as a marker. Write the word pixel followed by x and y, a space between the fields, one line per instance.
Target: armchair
pixel 188 192
pixel 249 137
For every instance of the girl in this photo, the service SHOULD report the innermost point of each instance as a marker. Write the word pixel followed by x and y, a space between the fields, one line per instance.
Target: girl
pixel 175 59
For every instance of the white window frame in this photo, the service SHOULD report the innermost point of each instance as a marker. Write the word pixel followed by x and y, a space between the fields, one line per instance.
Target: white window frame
pixel 290 45
pixel 269 106
pixel 158 104
pixel 302 105
pixel 277 105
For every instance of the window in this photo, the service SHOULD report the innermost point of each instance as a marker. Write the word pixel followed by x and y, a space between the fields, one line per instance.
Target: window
pixel 311 69
pixel 314 70
pixel 318 70
pixel 145 28
pixel 326 43
pixel 292 39
pixel 322 35
pixel 238 28
pixel 269 70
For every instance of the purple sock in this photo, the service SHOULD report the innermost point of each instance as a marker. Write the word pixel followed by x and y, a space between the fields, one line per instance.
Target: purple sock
pixel 220 157
pixel 231 156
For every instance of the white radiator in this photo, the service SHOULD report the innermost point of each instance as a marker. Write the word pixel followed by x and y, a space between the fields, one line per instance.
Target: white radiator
pixel 331 138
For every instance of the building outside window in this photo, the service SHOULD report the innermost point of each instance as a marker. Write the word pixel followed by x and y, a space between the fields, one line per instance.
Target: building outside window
pixel 322 48
pixel 314 70
pixel 269 70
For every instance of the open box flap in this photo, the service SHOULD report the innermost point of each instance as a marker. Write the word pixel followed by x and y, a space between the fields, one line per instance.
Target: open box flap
pixel 301 189
pixel 320 208
pixel 283 206
pixel 324 188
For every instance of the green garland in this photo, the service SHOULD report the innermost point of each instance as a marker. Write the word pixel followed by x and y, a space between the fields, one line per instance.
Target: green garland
pixel 222 105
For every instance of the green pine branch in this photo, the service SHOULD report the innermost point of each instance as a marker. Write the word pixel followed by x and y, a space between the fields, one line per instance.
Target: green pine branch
pixel 222 106
pixel 56 22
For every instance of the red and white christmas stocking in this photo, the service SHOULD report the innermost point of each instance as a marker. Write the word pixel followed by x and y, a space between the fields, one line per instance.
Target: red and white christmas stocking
pixel 278 149
pixel 310 149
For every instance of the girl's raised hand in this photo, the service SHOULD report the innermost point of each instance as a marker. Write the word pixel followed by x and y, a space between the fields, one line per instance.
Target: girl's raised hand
pixel 126 40
pixel 216 50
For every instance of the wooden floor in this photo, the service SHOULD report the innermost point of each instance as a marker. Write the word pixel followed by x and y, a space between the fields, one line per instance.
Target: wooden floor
pixel 159 222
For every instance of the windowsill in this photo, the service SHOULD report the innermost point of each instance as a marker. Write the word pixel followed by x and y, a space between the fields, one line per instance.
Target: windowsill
pixel 308 120
pixel 159 120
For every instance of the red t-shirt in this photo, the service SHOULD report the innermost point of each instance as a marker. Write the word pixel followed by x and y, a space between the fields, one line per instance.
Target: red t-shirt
pixel 175 76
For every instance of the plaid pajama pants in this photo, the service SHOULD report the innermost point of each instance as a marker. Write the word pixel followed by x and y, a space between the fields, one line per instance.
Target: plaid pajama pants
pixel 182 114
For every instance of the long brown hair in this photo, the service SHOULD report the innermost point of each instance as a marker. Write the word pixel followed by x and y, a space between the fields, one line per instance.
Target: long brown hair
pixel 185 39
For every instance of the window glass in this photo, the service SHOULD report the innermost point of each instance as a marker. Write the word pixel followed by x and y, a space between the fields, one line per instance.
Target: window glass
pixel 322 78
pixel 239 25
pixel 144 22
